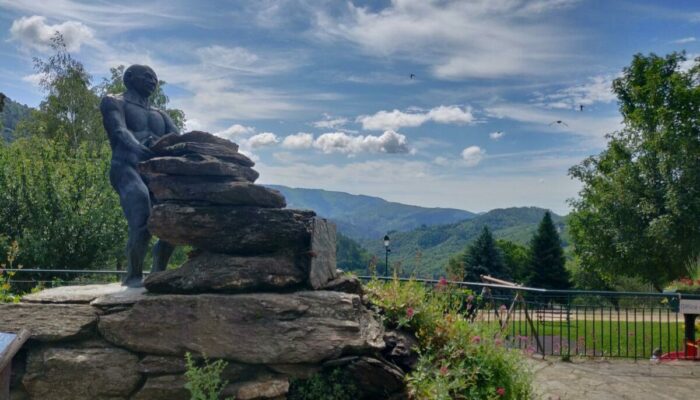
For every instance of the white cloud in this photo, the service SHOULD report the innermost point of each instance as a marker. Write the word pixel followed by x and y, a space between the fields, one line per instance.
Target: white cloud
pixel 689 39
pixel 330 122
pixel 35 33
pixel 592 128
pixel 496 135
pixel 392 120
pixel 235 130
pixel 232 57
pixel 262 140
pixel 459 39
pixel 598 89
pixel 473 155
pixel 340 142
pixel 300 140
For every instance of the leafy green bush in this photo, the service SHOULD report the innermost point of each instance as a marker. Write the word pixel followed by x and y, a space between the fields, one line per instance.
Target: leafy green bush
pixel 458 359
pixel 327 385
pixel 6 295
pixel 204 383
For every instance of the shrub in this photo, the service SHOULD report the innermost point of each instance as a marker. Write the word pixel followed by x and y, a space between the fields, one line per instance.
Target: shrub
pixel 204 383
pixel 12 249
pixel 327 385
pixel 458 359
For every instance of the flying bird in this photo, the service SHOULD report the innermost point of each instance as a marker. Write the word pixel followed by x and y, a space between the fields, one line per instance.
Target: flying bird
pixel 412 76
pixel 559 122
pixel 580 107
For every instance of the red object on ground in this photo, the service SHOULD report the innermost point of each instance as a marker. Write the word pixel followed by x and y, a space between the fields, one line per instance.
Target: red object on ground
pixel 691 353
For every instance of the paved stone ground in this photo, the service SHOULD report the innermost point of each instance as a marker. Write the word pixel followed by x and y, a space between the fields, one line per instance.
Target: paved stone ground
pixel 616 379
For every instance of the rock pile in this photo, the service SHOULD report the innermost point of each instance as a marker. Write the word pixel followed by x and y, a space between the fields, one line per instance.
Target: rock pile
pixel 260 290
pixel 245 239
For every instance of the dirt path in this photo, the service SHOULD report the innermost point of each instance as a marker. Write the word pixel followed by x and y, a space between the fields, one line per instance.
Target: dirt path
pixel 616 379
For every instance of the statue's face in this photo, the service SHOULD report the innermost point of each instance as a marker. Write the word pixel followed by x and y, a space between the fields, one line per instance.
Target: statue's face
pixel 142 79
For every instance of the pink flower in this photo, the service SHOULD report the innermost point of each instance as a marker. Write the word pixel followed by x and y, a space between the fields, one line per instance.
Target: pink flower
pixel 470 298
pixel 501 391
pixel 498 342
pixel 409 312
pixel 476 339
pixel 443 370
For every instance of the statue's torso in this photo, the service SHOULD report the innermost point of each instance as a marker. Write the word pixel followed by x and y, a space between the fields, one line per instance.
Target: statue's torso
pixel 145 124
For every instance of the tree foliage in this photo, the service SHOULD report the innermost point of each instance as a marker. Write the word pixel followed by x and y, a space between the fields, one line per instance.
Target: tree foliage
pixel 637 213
pixel 516 258
pixel 483 257
pixel 547 262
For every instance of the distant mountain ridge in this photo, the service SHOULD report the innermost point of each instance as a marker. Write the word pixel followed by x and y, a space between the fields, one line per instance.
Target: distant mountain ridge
pixel 365 217
pixel 10 116
pixel 425 251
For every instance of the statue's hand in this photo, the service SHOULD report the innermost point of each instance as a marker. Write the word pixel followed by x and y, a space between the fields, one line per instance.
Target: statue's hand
pixel 143 152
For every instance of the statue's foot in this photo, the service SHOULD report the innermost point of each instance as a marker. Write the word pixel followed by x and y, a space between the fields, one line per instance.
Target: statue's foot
pixel 133 281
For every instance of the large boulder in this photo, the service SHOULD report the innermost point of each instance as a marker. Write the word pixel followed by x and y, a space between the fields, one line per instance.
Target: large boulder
pixel 233 230
pixel 166 387
pixel 161 145
pixel 221 273
pixel 49 322
pixel 261 328
pixel 214 191
pixel 197 165
pixel 81 374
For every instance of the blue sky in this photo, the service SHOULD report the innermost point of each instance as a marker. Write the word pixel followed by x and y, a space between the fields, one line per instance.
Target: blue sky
pixel 319 93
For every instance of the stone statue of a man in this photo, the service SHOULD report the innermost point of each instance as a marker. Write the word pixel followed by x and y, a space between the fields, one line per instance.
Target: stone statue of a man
pixel 132 126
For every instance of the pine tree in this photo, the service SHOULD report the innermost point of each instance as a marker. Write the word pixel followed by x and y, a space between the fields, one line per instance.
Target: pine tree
pixel 547 258
pixel 484 258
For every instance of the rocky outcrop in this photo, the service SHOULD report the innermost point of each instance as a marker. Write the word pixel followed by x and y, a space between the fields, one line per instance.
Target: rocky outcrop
pixel 260 290
pixel 81 374
pixel 261 328
pixel 49 322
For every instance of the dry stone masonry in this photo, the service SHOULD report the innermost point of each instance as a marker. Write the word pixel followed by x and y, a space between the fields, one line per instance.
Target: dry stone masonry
pixel 260 290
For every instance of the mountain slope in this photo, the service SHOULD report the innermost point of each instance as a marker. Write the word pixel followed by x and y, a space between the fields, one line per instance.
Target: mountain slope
pixel 366 217
pixel 10 116
pixel 426 250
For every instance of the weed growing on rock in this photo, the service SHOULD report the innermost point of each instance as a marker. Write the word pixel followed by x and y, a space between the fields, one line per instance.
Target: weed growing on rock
pixel 204 383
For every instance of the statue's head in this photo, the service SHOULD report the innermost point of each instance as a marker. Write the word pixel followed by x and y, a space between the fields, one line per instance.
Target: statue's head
pixel 141 78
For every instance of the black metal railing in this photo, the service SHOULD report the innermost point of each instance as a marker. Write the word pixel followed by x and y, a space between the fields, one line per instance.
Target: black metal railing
pixel 571 323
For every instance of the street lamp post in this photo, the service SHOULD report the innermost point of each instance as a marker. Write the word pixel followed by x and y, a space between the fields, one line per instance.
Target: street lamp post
pixel 386 262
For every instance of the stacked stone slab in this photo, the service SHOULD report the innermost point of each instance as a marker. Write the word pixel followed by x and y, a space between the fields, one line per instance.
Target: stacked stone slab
pixel 245 239
pixel 260 290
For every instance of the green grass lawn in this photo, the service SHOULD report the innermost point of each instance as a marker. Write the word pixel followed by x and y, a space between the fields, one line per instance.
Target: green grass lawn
pixel 601 338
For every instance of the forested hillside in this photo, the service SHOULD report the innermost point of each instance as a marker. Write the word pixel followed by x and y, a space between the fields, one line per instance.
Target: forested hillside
pixel 366 217
pixel 10 116
pixel 425 251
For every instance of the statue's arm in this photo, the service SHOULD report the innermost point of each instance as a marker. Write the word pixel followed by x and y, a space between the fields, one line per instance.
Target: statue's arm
pixel 169 124
pixel 114 123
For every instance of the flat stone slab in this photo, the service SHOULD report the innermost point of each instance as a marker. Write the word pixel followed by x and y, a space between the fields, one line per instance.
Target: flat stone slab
pixel 234 230
pixel 221 273
pixel 125 297
pixel 197 165
pixel 78 294
pixel 49 322
pixel 81 374
pixel 213 191
pixel 260 328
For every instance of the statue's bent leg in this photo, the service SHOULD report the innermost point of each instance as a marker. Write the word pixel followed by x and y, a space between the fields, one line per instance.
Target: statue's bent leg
pixel 136 204
pixel 161 254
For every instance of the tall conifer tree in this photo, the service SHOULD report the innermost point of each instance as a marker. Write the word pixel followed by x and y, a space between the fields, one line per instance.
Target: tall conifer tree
pixel 547 258
pixel 483 257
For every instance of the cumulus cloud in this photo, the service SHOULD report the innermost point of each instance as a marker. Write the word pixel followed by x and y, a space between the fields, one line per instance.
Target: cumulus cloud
pixel 473 155
pixel 459 39
pixel 330 122
pixel 262 140
pixel 390 142
pixel 598 89
pixel 35 33
pixel 392 120
pixel 496 135
pixel 235 130
pixel 297 141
